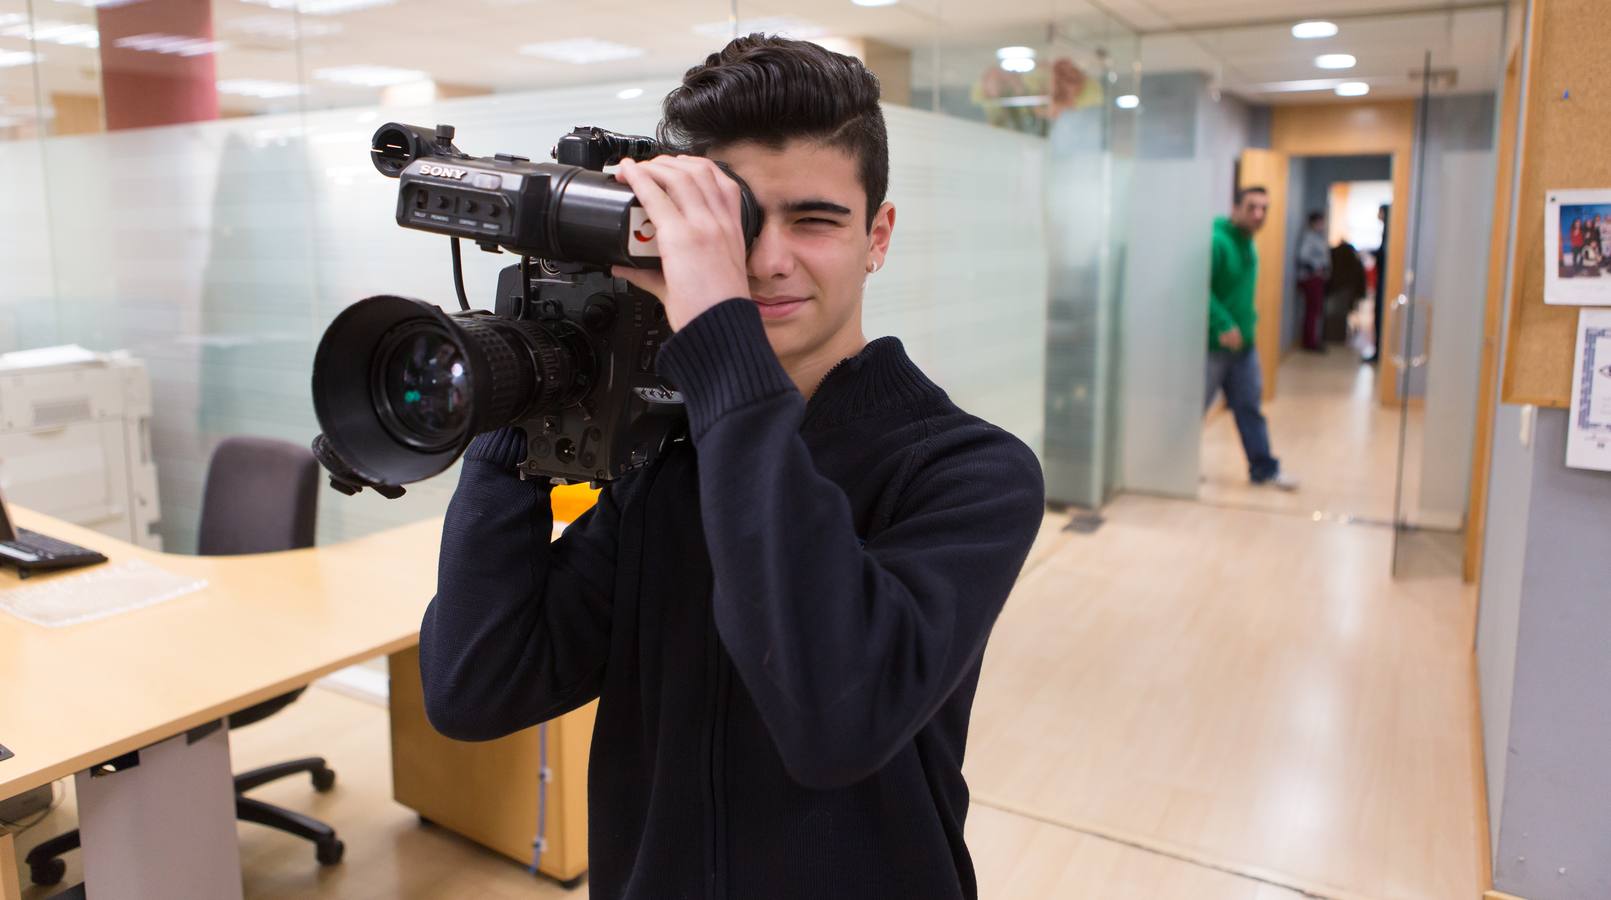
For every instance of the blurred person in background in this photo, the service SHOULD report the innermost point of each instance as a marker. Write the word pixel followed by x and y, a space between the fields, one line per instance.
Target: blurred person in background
pixel 1344 289
pixel 1233 363
pixel 1314 268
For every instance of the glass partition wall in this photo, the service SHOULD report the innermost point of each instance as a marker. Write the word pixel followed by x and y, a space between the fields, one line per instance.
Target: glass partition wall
pixel 189 181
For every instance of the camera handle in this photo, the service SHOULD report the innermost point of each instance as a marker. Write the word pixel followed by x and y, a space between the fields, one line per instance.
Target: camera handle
pixel 342 476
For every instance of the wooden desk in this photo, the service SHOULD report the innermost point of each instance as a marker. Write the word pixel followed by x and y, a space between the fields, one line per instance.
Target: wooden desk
pixel 10 886
pixel 72 698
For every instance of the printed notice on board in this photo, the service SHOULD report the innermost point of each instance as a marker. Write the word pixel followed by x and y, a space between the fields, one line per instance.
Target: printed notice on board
pixel 1577 248
pixel 1588 440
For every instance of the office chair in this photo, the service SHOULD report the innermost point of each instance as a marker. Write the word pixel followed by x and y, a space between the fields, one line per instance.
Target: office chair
pixel 261 496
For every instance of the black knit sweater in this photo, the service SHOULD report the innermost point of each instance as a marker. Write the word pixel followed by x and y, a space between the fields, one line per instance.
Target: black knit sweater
pixel 783 618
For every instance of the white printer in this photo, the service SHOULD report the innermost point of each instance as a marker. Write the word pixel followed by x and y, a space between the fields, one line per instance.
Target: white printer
pixel 75 440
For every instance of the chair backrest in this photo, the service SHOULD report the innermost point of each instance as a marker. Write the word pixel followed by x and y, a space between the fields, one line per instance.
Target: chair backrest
pixel 262 495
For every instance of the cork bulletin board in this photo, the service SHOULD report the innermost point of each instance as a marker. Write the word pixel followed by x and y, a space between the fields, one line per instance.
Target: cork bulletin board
pixel 1566 143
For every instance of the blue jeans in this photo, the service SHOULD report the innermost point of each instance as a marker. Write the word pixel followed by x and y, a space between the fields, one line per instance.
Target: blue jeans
pixel 1237 373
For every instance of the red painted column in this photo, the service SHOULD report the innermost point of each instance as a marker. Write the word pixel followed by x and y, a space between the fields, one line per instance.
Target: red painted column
pixel 150 75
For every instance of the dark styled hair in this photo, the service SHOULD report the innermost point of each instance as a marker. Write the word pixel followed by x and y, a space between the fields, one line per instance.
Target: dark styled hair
pixel 772 90
pixel 1316 216
pixel 1251 189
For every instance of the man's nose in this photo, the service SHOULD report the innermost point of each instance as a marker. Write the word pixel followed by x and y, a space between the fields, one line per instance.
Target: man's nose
pixel 769 255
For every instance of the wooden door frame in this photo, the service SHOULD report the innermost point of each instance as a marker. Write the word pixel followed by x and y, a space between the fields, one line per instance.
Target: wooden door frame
pixel 1494 307
pixel 1269 169
pixel 1371 128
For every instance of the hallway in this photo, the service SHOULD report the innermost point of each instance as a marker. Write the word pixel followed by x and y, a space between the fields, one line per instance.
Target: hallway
pixel 1329 431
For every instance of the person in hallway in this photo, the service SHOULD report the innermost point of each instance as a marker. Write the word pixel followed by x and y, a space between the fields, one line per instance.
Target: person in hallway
pixel 1384 214
pixel 1345 289
pixel 1233 363
pixel 1314 267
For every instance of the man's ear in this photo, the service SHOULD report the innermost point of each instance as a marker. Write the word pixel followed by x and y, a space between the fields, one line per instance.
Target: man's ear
pixel 878 236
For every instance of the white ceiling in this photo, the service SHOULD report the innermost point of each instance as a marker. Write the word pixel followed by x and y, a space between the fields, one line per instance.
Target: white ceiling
pixel 476 43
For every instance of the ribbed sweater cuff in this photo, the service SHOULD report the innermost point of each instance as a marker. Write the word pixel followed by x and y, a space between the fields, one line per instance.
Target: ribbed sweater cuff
pixel 505 448
pixel 721 361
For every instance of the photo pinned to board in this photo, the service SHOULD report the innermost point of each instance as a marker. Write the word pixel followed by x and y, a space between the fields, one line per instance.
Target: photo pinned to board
pixel 1577 248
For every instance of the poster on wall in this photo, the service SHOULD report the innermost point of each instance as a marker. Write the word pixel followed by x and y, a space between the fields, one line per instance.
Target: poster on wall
pixel 1577 248
pixel 1588 440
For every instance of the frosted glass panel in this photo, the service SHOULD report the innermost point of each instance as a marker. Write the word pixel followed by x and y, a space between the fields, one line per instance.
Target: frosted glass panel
pixel 1084 190
pixel 1457 291
pixel 965 287
pixel 27 310
pixel 1162 316
pixel 218 251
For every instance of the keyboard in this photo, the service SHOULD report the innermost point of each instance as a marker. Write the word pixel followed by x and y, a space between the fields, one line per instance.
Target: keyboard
pixel 32 550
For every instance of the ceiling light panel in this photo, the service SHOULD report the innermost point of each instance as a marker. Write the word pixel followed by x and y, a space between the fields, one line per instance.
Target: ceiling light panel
pixel 67 34
pixel 259 88
pixel 369 76
pixel 10 58
pixel 1308 31
pixel 784 26
pixel 170 44
pixel 322 7
pixel 285 28
pixel 582 51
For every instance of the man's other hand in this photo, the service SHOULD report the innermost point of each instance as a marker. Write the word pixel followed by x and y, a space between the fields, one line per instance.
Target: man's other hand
pixel 695 208
pixel 1231 339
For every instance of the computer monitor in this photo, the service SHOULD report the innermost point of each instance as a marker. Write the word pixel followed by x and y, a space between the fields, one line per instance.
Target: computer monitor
pixel 7 533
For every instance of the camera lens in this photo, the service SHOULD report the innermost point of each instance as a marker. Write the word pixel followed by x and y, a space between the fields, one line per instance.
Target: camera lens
pixel 400 387
pixel 422 386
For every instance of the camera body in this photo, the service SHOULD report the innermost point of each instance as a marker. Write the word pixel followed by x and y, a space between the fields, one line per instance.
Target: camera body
pixel 564 210
pixel 567 353
pixel 627 413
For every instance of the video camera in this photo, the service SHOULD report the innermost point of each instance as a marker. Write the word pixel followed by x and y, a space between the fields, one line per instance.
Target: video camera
pixel 567 354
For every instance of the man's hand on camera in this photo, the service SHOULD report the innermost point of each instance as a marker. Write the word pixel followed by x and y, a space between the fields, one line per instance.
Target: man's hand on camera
pixel 695 209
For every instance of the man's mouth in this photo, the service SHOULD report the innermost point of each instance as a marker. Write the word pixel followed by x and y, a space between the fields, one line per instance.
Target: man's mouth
pixel 779 307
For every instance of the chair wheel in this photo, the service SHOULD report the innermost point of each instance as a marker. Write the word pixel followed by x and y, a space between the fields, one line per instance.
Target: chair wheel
pixel 329 851
pixel 51 871
pixel 324 779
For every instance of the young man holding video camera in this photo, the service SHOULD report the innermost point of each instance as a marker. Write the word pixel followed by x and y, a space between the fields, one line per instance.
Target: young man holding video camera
pixel 783 618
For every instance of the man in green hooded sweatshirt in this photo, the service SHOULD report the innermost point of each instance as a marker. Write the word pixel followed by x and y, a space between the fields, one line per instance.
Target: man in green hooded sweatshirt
pixel 1233 364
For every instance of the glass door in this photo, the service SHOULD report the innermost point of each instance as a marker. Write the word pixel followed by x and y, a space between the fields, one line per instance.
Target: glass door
pixel 1432 328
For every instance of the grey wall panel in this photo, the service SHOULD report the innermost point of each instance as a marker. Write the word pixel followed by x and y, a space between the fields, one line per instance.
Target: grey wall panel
pixel 1555 835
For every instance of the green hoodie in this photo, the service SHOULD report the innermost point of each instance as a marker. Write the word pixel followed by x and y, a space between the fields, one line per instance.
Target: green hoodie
pixel 1230 285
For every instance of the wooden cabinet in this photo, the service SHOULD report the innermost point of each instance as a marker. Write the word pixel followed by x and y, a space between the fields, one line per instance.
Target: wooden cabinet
pixel 488 791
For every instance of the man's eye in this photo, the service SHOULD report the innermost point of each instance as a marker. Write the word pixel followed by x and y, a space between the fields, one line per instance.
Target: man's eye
pixel 816 220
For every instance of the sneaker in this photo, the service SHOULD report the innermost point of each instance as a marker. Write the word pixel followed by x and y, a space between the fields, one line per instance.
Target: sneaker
pixel 1280 481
